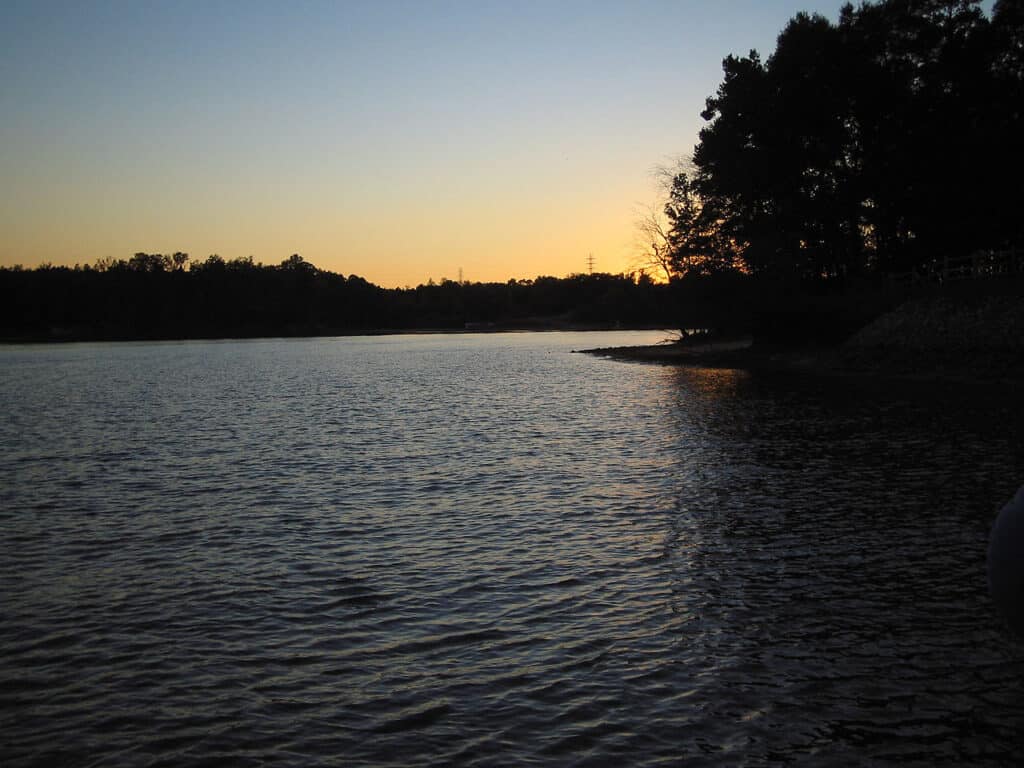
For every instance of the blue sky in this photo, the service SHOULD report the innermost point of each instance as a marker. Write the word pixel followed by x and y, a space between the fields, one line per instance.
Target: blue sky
pixel 394 140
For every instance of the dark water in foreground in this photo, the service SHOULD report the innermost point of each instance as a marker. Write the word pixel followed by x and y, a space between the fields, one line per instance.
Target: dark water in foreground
pixel 481 550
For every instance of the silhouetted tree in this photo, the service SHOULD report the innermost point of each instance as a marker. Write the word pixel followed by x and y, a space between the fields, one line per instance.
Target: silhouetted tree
pixel 652 229
pixel 883 142
pixel 697 241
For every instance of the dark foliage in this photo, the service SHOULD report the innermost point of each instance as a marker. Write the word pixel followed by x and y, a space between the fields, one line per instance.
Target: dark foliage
pixel 879 147
pixel 883 143
pixel 154 296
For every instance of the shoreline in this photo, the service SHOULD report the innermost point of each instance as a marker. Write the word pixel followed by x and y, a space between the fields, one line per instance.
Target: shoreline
pixel 723 353
pixel 72 338
pixel 978 364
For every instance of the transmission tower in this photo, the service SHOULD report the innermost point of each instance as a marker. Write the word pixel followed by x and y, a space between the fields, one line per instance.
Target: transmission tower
pixel 590 263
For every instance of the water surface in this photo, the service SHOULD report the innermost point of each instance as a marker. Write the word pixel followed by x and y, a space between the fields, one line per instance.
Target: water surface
pixel 484 550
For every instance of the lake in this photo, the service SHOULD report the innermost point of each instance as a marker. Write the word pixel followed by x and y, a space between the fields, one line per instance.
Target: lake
pixel 485 550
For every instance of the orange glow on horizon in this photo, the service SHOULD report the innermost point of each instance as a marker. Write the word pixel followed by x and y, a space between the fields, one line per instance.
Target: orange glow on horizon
pixel 553 240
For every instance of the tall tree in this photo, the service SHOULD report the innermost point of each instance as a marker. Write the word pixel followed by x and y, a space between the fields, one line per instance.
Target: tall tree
pixel 883 142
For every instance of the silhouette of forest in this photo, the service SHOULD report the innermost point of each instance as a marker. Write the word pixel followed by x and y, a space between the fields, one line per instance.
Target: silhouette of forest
pixel 883 143
pixel 163 296
pixel 860 159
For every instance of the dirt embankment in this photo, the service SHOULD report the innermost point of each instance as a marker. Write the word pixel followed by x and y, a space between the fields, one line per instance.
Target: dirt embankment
pixel 979 333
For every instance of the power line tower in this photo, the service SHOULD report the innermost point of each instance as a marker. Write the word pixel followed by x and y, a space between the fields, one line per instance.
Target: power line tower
pixel 590 263
pixel 460 275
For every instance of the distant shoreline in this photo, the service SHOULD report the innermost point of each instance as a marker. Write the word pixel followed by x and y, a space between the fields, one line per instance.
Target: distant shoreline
pixel 77 336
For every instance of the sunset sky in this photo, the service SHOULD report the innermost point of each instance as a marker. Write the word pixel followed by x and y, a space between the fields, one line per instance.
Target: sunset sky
pixel 394 140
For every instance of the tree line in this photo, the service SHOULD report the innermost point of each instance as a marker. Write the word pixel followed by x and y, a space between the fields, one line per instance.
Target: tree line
pixel 168 296
pixel 878 144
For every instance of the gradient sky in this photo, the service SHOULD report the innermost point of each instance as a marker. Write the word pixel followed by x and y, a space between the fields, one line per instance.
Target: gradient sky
pixel 394 140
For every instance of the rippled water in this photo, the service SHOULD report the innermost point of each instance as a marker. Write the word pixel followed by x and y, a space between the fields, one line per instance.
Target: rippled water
pixel 483 550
